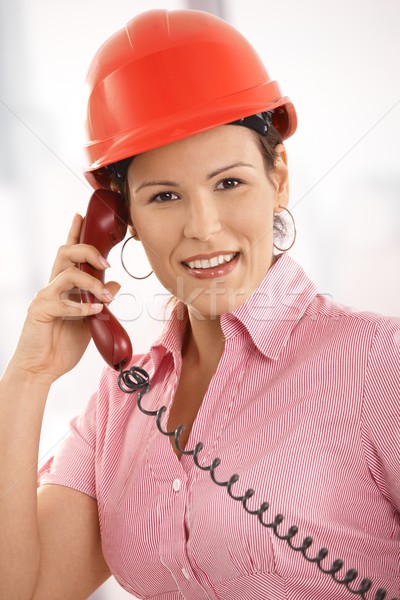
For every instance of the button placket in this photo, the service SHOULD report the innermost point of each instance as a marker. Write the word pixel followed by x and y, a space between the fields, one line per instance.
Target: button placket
pixel 173 549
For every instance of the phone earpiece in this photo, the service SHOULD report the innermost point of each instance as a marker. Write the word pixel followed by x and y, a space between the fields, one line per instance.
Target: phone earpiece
pixel 106 220
pixel 104 226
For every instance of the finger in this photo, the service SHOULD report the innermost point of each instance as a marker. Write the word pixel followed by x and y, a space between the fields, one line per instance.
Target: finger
pixel 79 310
pixel 113 287
pixel 71 255
pixel 75 230
pixel 45 310
pixel 73 278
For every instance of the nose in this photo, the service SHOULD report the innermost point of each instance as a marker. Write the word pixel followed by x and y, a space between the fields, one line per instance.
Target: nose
pixel 202 218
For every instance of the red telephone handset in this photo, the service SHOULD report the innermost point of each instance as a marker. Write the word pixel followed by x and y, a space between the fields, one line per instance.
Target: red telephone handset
pixel 104 226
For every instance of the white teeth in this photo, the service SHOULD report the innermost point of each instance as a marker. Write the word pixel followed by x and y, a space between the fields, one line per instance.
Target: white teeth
pixel 214 261
pixel 206 263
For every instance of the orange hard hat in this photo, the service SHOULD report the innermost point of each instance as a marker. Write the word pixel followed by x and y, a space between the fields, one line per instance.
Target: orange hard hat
pixel 168 75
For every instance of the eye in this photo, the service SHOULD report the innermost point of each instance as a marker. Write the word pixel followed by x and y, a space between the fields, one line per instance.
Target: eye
pixel 163 197
pixel 228 183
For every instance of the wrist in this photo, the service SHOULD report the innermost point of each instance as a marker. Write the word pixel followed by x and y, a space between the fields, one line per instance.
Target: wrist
pixel 22 375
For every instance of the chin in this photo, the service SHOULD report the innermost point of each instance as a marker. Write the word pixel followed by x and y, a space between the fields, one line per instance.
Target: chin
pixel 212 305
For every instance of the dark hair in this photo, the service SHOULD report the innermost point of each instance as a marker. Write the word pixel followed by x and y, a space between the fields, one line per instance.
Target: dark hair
pixel 118 170
pixel 268 146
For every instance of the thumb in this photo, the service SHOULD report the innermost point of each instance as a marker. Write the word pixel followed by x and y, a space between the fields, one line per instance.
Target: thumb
pixel 113 287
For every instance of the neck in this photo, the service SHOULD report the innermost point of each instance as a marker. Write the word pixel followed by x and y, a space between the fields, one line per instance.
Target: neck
pixel 204 341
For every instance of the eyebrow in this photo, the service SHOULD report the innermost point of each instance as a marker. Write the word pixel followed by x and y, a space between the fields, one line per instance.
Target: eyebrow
pixel 152 183
pixel 209 176
pixel 227 167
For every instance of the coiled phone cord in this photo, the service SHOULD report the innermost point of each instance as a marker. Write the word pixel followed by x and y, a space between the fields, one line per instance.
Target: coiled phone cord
pixel 137 379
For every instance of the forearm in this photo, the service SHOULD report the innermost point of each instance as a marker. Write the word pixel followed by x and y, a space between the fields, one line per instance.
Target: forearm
pixel 22 402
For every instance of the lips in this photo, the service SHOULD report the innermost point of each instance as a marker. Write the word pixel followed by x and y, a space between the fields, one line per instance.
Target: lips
pixel 211 266
pixel 208 263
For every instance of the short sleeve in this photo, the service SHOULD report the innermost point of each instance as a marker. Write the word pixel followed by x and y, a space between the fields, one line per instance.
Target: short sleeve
pixel 73 465
pixel 381 410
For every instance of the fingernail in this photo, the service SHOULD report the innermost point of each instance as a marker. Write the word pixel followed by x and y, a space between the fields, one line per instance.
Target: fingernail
pixel 97 306
pixel 104 262
pixel 108 294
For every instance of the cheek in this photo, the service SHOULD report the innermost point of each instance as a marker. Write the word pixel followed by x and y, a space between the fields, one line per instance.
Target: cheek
pixel 154 243
pixel 256 222
pixel 158 239
pixel 146 227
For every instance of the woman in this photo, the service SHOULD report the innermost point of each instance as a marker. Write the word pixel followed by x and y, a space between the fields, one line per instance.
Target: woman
pixel 297 395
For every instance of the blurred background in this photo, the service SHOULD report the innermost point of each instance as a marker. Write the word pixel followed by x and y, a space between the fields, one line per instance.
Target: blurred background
pixel 336 60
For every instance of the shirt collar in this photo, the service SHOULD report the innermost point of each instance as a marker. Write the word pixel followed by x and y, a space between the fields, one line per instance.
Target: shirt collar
pixel 172 336
pixel 269 315
pixel 272 312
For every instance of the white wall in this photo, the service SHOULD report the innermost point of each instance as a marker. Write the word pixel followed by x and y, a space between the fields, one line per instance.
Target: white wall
pixel 338 63
pixel 337 60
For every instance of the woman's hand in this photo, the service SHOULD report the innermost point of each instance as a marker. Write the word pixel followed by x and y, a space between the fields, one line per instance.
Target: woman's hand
pixel 55 334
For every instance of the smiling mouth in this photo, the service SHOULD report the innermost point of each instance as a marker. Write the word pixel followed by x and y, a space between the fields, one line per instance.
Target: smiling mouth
pixel 210 263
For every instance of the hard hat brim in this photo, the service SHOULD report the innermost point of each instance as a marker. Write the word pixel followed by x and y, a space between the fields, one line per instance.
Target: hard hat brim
pixel 135 141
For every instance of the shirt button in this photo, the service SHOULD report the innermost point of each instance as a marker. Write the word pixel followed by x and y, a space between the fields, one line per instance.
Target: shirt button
pixel 176 485
pixel 185 573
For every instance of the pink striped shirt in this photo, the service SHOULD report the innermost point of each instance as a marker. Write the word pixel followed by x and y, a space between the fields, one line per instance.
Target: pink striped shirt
pixel 304 406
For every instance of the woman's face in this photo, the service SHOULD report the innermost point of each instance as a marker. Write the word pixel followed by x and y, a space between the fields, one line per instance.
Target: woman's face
pixel 203 208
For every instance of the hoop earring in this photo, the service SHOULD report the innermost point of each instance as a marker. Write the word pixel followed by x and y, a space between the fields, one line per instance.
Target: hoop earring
pixel 123 263
pixel 294 231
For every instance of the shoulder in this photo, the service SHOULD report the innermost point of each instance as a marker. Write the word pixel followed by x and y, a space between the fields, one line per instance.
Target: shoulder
pixel 111 400
pixel 381 409
pixel 383 371
pixel 369 342
pixel 339 318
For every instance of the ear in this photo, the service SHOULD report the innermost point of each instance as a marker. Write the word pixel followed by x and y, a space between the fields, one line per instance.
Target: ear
pixel 279 177
pixel 133 232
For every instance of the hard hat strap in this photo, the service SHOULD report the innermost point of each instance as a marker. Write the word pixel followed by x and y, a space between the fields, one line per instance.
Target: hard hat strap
pixel 259 122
